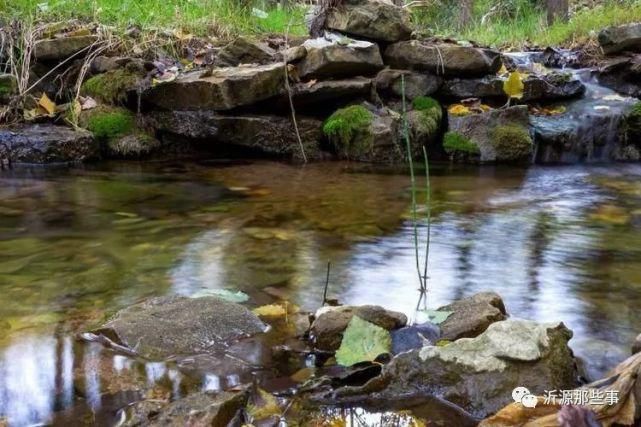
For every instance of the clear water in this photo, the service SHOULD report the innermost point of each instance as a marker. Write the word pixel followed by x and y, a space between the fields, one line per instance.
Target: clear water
pixel 76 244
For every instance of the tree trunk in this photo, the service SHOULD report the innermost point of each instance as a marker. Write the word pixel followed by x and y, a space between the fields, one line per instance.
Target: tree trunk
pixel 465 14
pixel 557 10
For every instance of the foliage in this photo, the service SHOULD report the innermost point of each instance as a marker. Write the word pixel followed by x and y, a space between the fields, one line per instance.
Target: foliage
pixel 112 86
pixel 106 125
pixel 425 103
pixel 511 142
pixel 513 86
pixel 362 342
pixel 454 142
pixel 348 129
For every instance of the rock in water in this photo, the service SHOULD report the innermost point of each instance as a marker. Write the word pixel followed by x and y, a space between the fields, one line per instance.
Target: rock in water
pixel 472 316
pixel 372 19
pixel 621 38
pixel 220 89
pixel 479 374
pixel 450 60
pixel 167 326
pixel 46 143
pixel 330 322
pixel 335 56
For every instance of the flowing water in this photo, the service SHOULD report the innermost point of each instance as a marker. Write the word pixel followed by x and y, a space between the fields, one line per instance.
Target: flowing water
pixel 76 244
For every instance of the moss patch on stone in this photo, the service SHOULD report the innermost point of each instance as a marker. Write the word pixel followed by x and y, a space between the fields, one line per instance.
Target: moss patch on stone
pixel 348 129
pixel 109 124
pixel 425 118
pixel 454 143
pixel 511 142
pixel 112 86
pixel 425 103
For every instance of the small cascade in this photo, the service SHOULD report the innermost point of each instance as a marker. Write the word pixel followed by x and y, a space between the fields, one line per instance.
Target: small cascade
pixel 590 129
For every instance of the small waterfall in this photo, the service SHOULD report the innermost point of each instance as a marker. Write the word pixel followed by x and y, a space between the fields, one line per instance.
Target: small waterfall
pixel 591 128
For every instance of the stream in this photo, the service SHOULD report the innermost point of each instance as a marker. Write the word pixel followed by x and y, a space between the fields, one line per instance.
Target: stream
pixel 79 243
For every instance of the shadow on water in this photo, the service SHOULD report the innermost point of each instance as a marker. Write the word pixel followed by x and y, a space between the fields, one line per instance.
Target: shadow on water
pixel 77 244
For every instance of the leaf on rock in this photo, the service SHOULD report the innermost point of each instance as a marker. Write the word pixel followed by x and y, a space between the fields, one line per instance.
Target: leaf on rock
pixel 263 405
pixel 513 86
pixel 271 310
pixel 362 341
pixel 47 104
pixel 459 110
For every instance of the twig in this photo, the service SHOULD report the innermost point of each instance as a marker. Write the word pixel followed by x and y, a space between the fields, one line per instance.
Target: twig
pixel 289 95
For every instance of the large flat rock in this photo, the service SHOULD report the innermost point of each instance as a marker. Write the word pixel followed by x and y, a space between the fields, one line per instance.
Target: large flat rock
pixel 219 89
pixel 167 326
pixel 450 60
pixel 372 19
pixel 472 316
pixel 621 38
pixel 61 48
pixel 333 56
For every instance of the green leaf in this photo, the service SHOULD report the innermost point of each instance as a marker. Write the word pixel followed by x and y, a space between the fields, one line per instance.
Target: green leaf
pixel 362 341
pixel 513 86
pixel 437 317
pixel 225 294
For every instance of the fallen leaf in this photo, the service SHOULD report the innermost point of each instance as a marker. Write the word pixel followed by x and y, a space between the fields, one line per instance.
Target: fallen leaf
pixel 362 341
pixel 270 310
pixel 47 104
pixel 87 103
pixel 458 110
pixel 513 86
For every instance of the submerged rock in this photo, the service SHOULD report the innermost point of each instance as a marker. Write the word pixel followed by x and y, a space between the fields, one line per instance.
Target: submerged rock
pixel 472 316
pixel 500 135
pixel 389 82
pixel 219 88
pixel 479 374
pixel 621 38
pixel 450 60
pixel 336 56
pixel 372 19
pixel 168 326
pixel 62 47
pixel 330 322
pixel 46 143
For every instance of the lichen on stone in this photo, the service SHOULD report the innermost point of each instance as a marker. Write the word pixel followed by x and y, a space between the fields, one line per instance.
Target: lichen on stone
pixel 455 143
pixel 511 142
pixel 348 129
pixel 112 86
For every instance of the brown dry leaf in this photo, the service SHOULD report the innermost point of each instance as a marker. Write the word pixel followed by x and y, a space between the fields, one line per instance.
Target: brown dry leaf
pixel 88 103
pixel 47 104
pixel 182 36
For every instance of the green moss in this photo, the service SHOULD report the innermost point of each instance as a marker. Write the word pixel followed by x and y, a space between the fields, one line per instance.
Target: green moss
pixel 112 86
pixel 349 130
pixel 425 103
pixel 454 142
pixel 633 122
pixel 8 85
pixel 511 142
pixel 110 124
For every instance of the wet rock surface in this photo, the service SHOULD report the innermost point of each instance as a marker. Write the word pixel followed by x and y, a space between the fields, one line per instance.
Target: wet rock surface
pixel 355 17
pixel 472 316
pixel 330 322
pixel 46 143
pixel 167 326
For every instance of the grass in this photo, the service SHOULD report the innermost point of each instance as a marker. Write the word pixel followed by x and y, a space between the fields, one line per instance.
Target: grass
pixel 519 23
pixel 223 18
pixel 106 125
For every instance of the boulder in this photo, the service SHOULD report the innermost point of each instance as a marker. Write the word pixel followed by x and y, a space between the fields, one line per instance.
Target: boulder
pixel 414 337
pixel 305 94
pixel 450 60
pixel 244 51
pixel 472 316
pixel 330 322
pixel 479 374
pixel 334 56
pixel 389 83
pixel 168 326
pixel 621 38
pixel 198 409
pixel 376 20
pixel 636 346
pixel 46 143
pixel 219 88
pixel 62 47
pixel 550 87
pixel 622 74
pixel 500 135
pixel 271 135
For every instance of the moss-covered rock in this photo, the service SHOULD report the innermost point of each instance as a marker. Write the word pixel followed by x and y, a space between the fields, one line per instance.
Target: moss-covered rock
pixel 424 120
pixel 109 123
pixel 459 147
pixel 113 86
pixel 349 131
pixel 512 142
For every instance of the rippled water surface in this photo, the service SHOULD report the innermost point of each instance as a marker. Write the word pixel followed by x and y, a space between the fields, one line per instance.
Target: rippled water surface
pixel 558 243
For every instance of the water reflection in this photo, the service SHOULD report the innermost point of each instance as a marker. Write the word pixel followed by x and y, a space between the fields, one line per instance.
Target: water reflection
pixel 77 244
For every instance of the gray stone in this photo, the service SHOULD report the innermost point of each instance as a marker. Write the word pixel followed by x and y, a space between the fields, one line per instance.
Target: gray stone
pixel 272 135
pixel 621 38
pixel 371 19
pixel 305 94
pixel 46 143
pixel 636 346
pixel 472 316
pixel 170 326
pixel 294 54
pixel 622 75
pixel 244 51
pixel 389 82
pixel 450 60
pixel 61 48
pixel 414 337
pixel 335 57
pixel 480 128
pixel 327 329
pixel 479 374
pixel 219 89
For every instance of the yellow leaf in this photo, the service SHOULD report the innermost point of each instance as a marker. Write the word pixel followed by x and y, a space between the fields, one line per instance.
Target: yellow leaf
pixel 271 310
pixel 503 70
pixel 459 110
pixel 48 105
pixel 513 86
